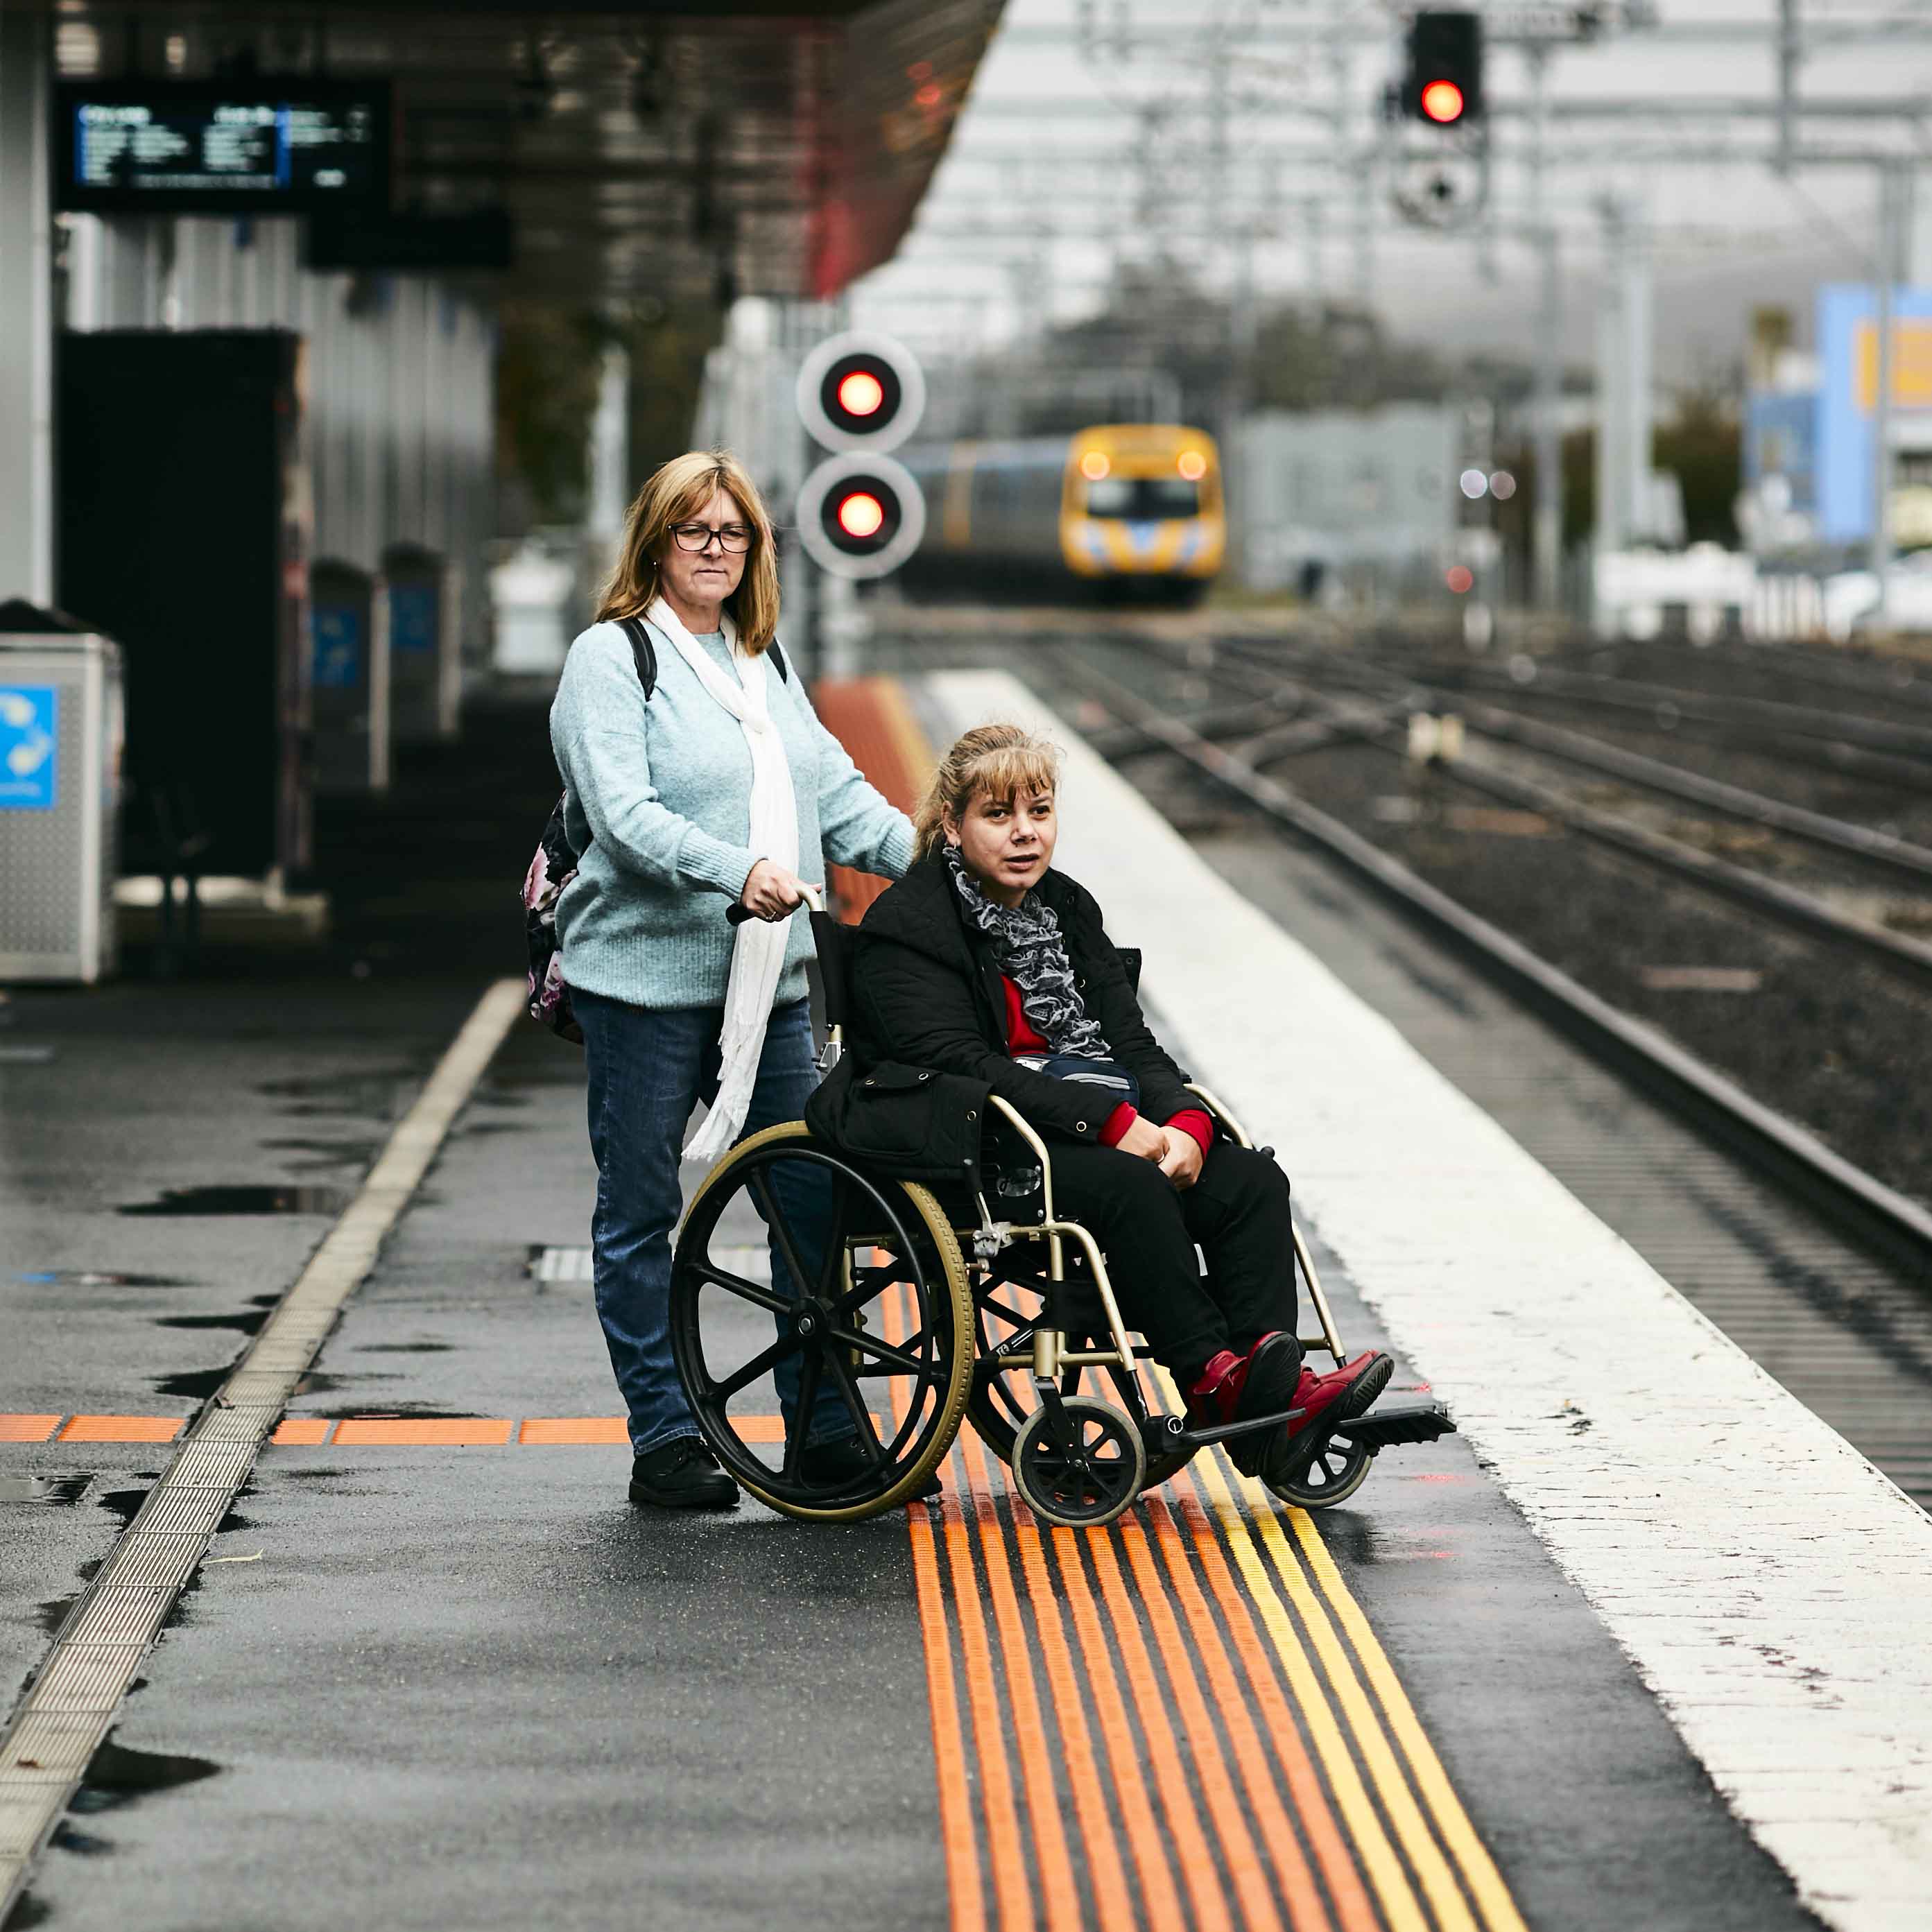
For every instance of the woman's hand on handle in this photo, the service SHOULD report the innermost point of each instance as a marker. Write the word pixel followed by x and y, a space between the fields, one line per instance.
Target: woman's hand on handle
pixel 771 892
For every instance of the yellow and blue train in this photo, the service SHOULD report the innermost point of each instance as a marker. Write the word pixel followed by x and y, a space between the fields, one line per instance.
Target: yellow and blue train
pixel 1122 506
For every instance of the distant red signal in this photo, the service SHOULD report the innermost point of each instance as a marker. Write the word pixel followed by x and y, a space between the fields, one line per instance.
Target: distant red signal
pixel 862 394
pixel 861 514
pixel 1442 102
pixel 1460 578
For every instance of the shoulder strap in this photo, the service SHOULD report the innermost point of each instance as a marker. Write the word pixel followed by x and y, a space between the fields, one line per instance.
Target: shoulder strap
pixel 778 658
pixel 643 654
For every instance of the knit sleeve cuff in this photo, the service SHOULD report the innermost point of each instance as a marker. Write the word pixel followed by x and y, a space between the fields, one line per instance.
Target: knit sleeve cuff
pixel 1194 1123
pixel 895 850
pixel 1115 1129
pixel 712 862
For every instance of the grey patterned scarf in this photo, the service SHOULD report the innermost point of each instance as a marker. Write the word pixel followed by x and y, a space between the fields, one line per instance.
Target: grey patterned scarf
pixel 1033 954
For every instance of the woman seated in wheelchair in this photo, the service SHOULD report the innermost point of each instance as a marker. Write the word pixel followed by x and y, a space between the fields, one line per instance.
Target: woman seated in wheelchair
pixel 985 960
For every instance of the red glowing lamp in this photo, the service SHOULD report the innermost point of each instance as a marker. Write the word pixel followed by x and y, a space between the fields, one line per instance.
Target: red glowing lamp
pixel 861 514
pixel 1442 102
pixel 861 393
pixel 1460 578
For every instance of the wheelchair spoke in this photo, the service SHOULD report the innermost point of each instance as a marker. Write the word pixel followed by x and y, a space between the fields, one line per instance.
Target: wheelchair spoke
pixel 869 1283
pixel 801 1417
pixel 830 1261
pixel 747 1291
pixel 781 1232
pixel 862 1416
pixel 885 1353
pixel 761 1364
pixel 1011 1317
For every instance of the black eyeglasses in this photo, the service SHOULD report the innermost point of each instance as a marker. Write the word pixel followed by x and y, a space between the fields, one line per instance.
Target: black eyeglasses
pixel 735 538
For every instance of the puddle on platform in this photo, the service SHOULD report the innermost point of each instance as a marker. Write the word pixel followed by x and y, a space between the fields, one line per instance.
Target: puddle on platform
pixel 52 1614
pixel 29 1913
pixel 243 1199
pixel 244 1321
pixel 88 1278
pixel 118 1774
pixel 61 1492
pixel 406 1348
pixel 192 1385
pixel 398 1411
pixel 124 1503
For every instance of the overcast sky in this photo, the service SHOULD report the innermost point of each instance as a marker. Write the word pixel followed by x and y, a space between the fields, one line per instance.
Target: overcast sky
pixel 1066 160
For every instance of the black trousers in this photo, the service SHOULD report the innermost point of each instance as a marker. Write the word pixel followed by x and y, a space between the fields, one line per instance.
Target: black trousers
pixel 1238 1211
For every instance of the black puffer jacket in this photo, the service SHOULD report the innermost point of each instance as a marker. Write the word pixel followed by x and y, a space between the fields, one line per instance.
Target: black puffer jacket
pixel 927 993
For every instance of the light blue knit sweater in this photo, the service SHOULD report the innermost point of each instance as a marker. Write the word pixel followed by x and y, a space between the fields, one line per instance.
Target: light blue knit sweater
pixel 658 798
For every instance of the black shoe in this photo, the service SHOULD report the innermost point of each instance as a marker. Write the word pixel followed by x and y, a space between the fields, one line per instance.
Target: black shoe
pixel 682 1474
pixel 843 1464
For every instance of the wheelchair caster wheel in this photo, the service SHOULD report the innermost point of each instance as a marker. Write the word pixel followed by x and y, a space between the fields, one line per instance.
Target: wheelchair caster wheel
pixel 1092 1481
pixel 1340 1469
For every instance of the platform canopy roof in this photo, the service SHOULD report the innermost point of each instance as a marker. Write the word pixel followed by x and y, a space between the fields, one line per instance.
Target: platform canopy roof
pixel 751 148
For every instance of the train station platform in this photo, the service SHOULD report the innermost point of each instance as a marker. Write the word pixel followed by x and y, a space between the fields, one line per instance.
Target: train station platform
pixel 1642 1646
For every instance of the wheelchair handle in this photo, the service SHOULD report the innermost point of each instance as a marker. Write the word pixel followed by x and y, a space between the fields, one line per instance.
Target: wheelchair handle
pixel 738 911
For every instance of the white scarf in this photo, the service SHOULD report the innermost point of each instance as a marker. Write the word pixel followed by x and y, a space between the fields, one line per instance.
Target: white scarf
pixel 757 958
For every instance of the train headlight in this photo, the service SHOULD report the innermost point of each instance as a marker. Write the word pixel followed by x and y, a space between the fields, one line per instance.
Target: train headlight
pixel 1192 465
pixel 860 516
pixel 1094 466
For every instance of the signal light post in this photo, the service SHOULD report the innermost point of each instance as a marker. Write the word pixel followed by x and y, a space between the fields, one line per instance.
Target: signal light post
pixel 860 514
pixel 1443 84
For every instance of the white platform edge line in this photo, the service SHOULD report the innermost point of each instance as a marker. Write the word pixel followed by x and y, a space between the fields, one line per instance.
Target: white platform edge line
pixel 1772 1587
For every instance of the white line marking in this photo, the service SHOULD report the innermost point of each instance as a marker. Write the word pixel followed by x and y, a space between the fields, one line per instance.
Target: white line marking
pixel 102 1644
pixel 1769 1584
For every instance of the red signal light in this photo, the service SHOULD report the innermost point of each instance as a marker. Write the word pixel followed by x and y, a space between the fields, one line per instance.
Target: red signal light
pixel 1442 102
pixel 861 393
pixel 861 514
pixel 1460 578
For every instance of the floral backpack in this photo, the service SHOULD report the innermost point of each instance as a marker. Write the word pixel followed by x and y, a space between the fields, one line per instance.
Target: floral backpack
pixel 555 866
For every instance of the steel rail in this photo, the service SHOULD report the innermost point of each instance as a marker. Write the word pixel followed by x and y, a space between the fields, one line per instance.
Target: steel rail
pixel 1826 754
pixel 1836 835
pixel 1865 1207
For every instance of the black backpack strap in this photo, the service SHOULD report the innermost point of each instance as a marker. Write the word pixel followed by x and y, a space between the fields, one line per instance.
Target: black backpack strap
pixel 643 653
pixel 778 658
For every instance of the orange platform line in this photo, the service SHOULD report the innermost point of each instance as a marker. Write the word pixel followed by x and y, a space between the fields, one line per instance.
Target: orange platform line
pixel 123 1429
pixel 566 1431
pixel 16 1428
pixel 304 1431
pixel 440 1432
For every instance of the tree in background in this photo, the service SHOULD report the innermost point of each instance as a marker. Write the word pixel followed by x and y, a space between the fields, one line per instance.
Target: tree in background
pixel 548 361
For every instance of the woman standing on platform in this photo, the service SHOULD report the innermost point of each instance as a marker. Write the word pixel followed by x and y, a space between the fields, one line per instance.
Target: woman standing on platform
pixel 720 785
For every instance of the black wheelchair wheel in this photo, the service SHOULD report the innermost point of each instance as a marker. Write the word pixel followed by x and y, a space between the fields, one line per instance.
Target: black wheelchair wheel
pixel 802 1288
pixel 1339 1468
pixel 1000 1403
pixel 1087 1480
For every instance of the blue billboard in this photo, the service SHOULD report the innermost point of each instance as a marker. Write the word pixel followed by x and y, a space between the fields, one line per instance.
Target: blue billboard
pixel 1847 389
pixel 29 746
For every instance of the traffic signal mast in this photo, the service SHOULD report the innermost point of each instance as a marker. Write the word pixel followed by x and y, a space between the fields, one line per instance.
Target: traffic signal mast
pixel 859 513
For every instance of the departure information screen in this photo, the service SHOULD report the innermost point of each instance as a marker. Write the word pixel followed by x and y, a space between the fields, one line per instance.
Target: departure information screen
pixel 261 147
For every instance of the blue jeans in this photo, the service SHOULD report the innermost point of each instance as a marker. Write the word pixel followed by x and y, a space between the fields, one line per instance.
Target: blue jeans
pixel 648 1070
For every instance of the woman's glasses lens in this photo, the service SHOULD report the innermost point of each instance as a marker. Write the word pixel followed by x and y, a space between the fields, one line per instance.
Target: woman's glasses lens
pixel 733 537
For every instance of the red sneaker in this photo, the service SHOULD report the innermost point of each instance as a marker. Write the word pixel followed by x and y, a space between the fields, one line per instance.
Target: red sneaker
pixel 1328 1401
pixel 1234 1388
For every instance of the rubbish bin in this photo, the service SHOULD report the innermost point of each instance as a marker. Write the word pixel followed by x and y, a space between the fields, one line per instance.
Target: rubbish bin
pixel 60 784
pixel 349 678
pixel 425 681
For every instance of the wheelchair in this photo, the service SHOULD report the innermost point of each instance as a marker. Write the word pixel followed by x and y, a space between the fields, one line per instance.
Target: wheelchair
pixel 895 1312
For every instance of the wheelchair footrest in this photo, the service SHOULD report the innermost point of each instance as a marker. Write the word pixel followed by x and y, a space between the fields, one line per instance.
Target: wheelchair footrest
pixel 1383 1428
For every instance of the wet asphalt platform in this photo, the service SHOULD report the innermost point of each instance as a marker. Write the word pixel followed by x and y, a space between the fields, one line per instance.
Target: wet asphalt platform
pixel 438 1683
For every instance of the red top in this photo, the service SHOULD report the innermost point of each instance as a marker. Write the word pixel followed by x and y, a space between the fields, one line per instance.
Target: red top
pixel 1021 1038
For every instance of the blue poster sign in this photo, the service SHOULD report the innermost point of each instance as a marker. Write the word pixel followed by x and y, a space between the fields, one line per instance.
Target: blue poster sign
pixel 336 635
pixel 29 746
pixel 1847 389
pixel 412 618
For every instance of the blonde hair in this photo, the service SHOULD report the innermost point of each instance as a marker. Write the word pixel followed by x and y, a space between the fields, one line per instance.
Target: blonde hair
pixel 1001 760
pixel 675 494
